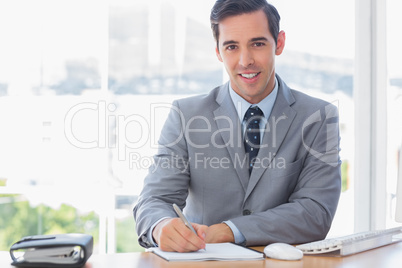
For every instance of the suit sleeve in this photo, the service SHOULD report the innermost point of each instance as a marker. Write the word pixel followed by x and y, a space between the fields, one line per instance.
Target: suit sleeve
pixel 308 214
pixel 167 181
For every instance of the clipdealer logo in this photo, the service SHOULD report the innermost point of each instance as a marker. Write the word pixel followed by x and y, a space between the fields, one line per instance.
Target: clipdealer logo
pixel 115 131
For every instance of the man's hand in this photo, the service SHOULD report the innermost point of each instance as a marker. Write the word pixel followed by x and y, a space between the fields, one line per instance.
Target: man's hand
pixel 219 233
pixel 173 235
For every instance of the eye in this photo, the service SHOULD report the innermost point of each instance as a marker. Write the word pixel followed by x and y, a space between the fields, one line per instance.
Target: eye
pixel 231 47
pixel 259 44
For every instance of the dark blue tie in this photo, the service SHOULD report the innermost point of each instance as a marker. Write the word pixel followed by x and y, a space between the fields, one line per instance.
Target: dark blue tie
pixel 252 135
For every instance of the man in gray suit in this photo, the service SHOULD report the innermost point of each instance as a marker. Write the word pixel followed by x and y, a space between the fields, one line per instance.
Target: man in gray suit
pixel 280 184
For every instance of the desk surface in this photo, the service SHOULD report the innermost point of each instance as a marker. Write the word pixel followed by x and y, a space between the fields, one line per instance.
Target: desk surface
pixel 385 257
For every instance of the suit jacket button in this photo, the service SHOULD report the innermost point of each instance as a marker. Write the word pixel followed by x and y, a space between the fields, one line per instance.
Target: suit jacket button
pixel 246 212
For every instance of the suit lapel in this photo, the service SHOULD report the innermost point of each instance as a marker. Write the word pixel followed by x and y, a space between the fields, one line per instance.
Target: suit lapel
pixel 229 127
pixel 279 122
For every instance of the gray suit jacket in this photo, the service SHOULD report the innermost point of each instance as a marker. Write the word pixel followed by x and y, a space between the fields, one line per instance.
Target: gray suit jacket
pixel 293 191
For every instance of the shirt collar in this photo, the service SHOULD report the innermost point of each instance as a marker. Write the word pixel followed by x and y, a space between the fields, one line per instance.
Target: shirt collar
pixel 265 105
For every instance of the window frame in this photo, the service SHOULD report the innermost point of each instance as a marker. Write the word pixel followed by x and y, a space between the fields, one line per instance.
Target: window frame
pixel 370 113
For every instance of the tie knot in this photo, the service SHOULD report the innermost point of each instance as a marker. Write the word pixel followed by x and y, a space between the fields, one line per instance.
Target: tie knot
pixel 253 113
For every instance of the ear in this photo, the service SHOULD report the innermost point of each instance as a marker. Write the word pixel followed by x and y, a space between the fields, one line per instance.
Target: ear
pixel 218 54
pixel 280 43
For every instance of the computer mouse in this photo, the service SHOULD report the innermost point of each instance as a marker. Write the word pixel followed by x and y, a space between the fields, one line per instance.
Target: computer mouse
pixel 282 251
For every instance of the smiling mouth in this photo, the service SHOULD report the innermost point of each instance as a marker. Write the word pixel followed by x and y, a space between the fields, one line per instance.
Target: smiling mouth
pixel 249 76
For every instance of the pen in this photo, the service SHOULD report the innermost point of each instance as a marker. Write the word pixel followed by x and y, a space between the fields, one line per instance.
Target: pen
pixel 183 218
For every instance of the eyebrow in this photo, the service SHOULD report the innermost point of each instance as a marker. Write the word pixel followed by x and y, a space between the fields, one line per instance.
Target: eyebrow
pixel 230 42
pixel 259 39
pixel 255 39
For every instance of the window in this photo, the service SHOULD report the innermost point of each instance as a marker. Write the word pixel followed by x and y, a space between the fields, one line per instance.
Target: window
pixel 319 60
pixel 78 82
pixel 52 55
pixel 394 105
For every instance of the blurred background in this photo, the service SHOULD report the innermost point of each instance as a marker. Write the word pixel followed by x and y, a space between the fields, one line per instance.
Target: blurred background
pixel 85 86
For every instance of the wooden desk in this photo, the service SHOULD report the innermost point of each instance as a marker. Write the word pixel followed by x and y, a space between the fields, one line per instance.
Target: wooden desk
pixel 384 257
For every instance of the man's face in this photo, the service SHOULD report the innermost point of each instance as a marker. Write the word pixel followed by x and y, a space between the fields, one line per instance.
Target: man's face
pixel 247 49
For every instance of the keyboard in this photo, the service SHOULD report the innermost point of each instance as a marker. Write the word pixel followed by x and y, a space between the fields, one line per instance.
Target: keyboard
pixel 350 244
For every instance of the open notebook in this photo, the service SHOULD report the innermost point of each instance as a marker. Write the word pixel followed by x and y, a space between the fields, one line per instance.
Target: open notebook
pixel 218 252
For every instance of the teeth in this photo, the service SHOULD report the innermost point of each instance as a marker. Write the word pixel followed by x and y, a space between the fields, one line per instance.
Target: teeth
pixel 249 76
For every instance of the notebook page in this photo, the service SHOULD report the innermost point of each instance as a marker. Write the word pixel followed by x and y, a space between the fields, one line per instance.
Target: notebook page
pixel 219 251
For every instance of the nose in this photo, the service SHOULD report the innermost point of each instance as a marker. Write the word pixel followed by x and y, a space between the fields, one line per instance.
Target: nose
pixel 246 58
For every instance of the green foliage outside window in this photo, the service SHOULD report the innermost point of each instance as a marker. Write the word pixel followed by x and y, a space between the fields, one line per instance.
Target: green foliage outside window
pixel 345 175
pixel 19 219
pixel 126 236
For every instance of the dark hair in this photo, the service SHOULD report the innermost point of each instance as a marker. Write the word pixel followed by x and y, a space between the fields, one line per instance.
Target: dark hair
pixel 227 8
